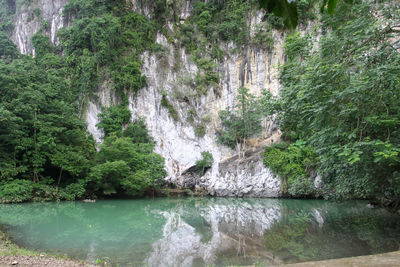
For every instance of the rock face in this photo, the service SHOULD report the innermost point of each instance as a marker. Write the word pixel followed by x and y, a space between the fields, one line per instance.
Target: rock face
pixel 245 177
pixel 172 71
pixel 31 17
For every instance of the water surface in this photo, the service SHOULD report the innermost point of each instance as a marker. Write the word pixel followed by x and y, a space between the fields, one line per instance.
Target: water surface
pixel 202 231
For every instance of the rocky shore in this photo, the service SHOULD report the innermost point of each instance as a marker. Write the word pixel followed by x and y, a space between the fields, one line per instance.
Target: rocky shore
pixel 13 255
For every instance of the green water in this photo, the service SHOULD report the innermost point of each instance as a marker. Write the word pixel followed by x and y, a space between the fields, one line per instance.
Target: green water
pixel 202 231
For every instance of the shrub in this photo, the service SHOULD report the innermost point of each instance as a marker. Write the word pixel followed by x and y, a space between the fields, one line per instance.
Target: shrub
pixel 138 133
pixel 126 167
pixel 301 187
pixel 263 37
pixel 112 119
pixel 75 190
pixel 171 110
pixel 200 130
pixel 275 21
pixel 16 191
pixel 205 163
pixel 293 163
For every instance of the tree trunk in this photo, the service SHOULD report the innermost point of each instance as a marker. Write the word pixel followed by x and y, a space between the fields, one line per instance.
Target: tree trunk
pixel 59 177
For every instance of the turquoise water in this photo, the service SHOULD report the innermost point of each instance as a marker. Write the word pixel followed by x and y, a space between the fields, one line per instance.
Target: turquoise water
pixel 202 231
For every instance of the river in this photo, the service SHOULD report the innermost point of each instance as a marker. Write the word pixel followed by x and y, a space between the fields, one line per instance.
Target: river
pixel 202 231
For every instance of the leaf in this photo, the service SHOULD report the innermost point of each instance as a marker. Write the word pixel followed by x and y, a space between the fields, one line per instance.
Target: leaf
pixel 322 8
pixel 283 9
pixel 331 6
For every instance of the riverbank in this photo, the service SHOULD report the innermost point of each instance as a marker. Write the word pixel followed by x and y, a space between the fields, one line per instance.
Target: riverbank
pixel 13 255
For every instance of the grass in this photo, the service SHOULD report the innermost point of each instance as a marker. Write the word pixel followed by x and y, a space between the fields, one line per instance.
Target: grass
pixel 10 249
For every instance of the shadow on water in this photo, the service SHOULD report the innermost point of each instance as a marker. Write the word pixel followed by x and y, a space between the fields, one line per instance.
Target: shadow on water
pixel 202 231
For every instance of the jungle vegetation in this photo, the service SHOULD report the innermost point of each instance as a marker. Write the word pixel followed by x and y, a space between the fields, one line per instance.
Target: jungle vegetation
pixel 340 105
pixel 338 108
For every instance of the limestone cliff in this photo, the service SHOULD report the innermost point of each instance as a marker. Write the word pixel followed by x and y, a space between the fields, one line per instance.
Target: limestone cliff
pixel 31 17
pixel 173 72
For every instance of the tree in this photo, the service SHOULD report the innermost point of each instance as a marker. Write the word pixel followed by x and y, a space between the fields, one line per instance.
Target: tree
pixel 288 10
pixel 343 99
pixel 241 123
pixel 125 166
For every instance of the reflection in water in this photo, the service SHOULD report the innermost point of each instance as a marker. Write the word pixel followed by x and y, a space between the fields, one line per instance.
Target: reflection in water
pixel 202 231
pixel 234 227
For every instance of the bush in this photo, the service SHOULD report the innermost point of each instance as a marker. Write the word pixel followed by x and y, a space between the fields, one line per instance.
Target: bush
pixel 112 119
pixel 293 163
pixel 75 190
pixel 16 191
pixel 263 37
pixel 200 130
pixel 126 167
pixel 171 110
pixel 302 187
pixel 205 163
pixel 297 46
pixel 137 131
pixel 275 21
pixel 44 192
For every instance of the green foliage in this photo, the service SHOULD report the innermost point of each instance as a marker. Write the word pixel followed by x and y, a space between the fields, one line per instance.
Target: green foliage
pixel 302 187
pixel 283 9
pixel 106 35
pixel 125 162
pixel 42 45
pixel 7 10
pixel 293 163
pixel 241 123
pixel 290 13
pixel 263 37
pixel 75 190
pixel 207 76
pixel 343 98
pixel 306 10
pixel 8 50
pixel 19 190
pixel 113 118
pixel 275 21
pixel 210 23
pixel 200 130
pixel 297 46
pixel 221 21
pixel 45 150
pixel 41 137
pixel 137 131
pixel 206 162
pixel 16 191
pixel 125 166
pixel 171 110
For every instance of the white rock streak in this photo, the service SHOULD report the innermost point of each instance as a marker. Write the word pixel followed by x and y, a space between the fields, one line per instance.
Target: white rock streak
pixel 172 71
